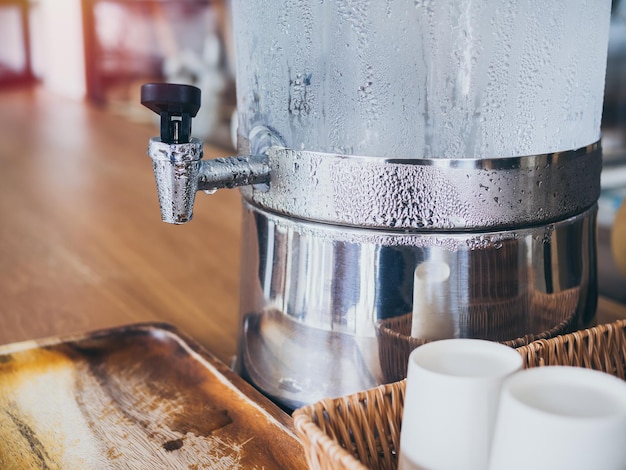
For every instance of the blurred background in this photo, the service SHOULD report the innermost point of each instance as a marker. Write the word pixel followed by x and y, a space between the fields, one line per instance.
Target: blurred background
pixel 102 51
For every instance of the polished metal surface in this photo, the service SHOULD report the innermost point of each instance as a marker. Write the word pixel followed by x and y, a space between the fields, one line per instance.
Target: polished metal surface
pixel 180 172
pixel 430 194
pixel 314 296
pixel 349 262
pixel 175 168
pixel 433 194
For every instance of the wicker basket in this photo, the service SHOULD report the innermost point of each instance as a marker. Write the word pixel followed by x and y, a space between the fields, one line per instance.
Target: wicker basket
pixel 362 430
pixel 489 320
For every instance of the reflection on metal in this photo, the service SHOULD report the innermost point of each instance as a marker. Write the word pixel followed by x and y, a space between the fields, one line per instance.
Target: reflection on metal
pixel 431 194
pixel 180 172
pixel 326 309
pixel 431 317
pixel 350 262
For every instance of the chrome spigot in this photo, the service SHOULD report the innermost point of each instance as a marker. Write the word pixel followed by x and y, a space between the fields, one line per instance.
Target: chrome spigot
pixel 177 157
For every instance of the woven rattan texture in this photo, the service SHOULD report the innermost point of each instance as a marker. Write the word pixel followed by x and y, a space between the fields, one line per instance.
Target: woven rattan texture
pixel 396 343
pixel 362 430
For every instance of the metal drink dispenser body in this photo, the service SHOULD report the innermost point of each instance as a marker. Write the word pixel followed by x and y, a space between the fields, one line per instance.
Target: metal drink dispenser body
pixel 410 171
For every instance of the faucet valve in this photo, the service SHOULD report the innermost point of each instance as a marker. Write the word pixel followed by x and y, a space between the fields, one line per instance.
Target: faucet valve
pixel 177 157
pixel 176 104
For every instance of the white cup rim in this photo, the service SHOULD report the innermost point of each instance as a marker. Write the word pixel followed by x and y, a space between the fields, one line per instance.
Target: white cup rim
pixel 602 383
pixel 498 360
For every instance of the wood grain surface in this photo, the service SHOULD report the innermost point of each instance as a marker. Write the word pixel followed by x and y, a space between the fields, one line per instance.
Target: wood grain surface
pixel 134 397
pixel 82 246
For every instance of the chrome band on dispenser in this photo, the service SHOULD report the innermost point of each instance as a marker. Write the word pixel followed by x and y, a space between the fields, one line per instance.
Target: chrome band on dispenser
pixel 431 194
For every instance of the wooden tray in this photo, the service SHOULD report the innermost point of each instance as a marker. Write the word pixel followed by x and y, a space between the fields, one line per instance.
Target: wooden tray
pixel 141 396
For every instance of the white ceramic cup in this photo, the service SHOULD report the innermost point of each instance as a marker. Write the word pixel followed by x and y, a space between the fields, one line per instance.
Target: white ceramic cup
pixel 451 399
pixel 560 417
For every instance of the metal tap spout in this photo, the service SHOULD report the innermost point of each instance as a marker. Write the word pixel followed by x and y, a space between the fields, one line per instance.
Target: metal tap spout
pixel 180 172
pixel 177 157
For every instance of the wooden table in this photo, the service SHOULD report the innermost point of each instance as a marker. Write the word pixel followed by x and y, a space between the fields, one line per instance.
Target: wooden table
pixel 82 245
pixel 82 248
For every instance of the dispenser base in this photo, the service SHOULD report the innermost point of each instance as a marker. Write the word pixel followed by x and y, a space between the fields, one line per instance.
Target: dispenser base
pixel 329 310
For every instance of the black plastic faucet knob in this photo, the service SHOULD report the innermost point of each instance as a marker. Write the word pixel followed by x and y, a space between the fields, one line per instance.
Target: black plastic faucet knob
pixel 176 104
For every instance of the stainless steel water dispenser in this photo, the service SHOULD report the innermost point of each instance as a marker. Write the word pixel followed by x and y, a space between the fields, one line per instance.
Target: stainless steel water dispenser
pixel 410 170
